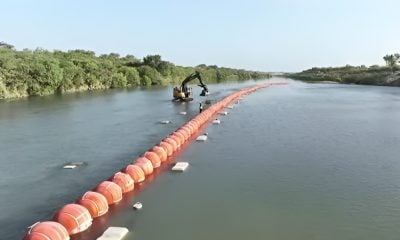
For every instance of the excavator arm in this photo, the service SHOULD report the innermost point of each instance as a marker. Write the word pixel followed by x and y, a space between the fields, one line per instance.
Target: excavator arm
pixel 192 77
pixel 183 92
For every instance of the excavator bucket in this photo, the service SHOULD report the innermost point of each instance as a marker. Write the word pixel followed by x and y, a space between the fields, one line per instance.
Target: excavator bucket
pixel 204 93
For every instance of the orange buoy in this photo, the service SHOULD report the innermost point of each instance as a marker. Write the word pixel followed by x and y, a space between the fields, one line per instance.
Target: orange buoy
pixel 47 231
pixel 167 147
pixel 177 140
pixel 184 132
pixel 74 217
pixel 172 142
pixel 187 130
pixel 180 136
pixel 145 164
pixel 154 158
pixel 162 154
pixel 95 202
pixel 196 122
pixel 124 181
pixel 192 127
pixel 111 191
pixel 135 172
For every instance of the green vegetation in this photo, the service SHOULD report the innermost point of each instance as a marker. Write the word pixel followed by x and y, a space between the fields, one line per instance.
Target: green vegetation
pixel 41 72
pixel 374 75
pixel 391 61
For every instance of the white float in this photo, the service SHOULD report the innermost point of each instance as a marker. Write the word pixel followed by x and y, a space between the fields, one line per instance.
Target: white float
pixel 180 166
pixel 114 233
pixel 202 138
pixel 138 206
pixel 165 121
pixel 69 166
pixel 230 106
pixel 73 165
pixel 183 113
pixel 223 113
pixel 216 121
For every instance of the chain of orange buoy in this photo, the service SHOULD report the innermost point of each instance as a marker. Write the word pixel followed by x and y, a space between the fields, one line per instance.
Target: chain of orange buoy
pixel 77 217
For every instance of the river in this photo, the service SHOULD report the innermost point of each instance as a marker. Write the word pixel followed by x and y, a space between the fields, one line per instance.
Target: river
pixel 301 161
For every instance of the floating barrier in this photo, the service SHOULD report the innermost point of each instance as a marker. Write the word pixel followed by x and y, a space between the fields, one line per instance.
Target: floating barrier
pixel 186 130
pixel 48 230
pixel 75 218
pixel 177 139
pixel 167 147
pixel 124 181
pixel 154 159
pixel 95 202
pixel 180 136
pixel 111 191
pixel 135 172
pixel 162 154
pixel 145 164
pixel 172 142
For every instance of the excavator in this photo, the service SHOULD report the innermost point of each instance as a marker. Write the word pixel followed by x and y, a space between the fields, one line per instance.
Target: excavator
pixel 183 92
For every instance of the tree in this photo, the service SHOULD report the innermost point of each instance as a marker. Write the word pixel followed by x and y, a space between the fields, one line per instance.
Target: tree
pixel 6 45
pixel 149 76
pixel 152 60
pixel 42 72
pixel 118 80
pixel 391 60
pixel 132 76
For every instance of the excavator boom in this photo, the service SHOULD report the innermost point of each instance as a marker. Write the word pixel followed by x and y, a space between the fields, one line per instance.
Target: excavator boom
pixel 183 93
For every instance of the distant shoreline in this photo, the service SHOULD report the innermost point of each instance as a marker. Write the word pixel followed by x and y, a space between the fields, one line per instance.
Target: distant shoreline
pixel 326 82
pixel 374 75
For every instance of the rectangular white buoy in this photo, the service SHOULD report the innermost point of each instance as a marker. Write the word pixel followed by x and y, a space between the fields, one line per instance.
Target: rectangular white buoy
pixel 216 121
pixel 69 166
pixel 223 113
pixel 180 166
pixel 230 106
pixel 165 121
pixel 183 113
pixel 201 138
pixel 114 233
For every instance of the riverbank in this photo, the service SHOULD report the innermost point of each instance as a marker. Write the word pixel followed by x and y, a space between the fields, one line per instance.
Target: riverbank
pixel 374 75
pixel 41 72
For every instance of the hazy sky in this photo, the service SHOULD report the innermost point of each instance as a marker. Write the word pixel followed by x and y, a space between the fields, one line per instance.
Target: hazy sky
pixel 267 35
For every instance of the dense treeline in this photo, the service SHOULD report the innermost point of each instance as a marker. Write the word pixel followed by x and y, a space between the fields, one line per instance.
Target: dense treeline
pixel 373 75
pixel 40 72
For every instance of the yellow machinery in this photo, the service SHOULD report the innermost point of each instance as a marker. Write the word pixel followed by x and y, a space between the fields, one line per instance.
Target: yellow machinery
pixel 184 92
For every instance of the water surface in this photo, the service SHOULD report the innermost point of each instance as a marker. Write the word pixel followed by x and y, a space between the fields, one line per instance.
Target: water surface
pixel 302 161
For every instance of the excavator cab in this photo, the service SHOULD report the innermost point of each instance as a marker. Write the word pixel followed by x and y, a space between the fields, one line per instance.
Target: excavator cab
pixel 184 92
